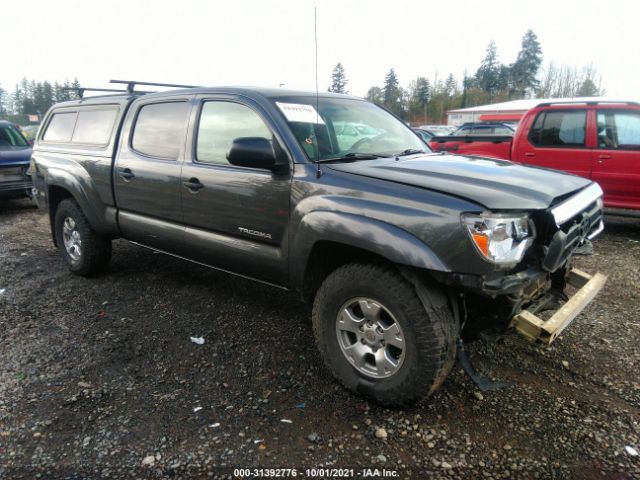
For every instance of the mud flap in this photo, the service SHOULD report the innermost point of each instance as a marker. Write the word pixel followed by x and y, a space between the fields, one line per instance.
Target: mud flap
pixel 485 384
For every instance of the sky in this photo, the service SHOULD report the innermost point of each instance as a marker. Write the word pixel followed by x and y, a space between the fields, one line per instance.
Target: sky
pixel 269 43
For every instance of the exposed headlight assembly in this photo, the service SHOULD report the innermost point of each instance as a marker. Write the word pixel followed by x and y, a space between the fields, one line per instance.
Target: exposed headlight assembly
pixel 500 238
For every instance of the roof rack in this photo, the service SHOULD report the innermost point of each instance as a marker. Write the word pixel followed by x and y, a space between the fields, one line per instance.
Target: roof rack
pixel 81 90
pixel 131 84
pixel 586 102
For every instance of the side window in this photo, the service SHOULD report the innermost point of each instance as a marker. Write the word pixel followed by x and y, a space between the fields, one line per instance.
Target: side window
pixel 220 124
pixel 561 128
pixel 60 127
pixel 536 129
pixel 619 130
pixel 94 127
pixel 159 130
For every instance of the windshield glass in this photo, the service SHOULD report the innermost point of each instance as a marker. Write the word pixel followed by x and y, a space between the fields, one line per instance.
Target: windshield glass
pixel 11 137
pixel 342 126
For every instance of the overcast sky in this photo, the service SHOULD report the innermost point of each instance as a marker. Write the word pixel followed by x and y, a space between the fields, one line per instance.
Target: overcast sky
pixel 268 43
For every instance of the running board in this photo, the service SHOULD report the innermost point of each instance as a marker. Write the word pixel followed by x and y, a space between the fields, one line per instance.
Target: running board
pixel 536 329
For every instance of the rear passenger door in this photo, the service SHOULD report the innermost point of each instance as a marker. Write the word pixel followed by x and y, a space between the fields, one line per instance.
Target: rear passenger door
pixel 147 173
pixel 236 217
pixel 557 139
pixel 616 159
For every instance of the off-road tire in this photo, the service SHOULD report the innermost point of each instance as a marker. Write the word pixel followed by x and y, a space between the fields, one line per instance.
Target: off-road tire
pixel 96 250
pixel 429 328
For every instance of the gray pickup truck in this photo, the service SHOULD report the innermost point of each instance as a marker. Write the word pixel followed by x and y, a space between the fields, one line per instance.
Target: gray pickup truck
pixel 400 250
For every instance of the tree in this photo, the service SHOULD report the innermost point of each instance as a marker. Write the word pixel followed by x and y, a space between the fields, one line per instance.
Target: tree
pixel 450 86
pixel 338 80
pixel 392 93
pixel 419 96
pixel 567 81
pixel 488 74
pixel 588 89
pixel 375 95
pixel 524 71
pixel 3 102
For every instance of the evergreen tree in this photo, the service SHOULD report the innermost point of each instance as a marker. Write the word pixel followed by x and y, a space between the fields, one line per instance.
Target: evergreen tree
pixel 3 102
pixel 338 79
pixel 588 89
pixel 524 71
pixel 450 85
pixel 504 78
pixel 488 74
pixel 420 94
pixel 16 100
pixel 392 93
pixel 375 95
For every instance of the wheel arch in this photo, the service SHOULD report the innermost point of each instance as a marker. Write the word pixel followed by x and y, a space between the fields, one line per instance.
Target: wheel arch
pixel 327 240
pixel 78 185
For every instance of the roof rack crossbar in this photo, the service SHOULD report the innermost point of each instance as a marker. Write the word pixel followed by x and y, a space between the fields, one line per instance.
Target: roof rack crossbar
pixel 81 90
pixel 131 84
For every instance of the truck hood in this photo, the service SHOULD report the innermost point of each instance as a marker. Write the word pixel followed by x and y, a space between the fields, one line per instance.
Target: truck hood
pixel 14 156
pixel 494 184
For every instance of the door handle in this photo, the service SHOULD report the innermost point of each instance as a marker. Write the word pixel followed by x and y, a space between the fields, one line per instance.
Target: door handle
pixel 604 157
pixel 529 154
pixel 126 174
pixel 193 184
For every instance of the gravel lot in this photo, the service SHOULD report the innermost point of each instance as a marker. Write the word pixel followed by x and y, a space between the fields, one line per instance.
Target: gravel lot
pixel 99 378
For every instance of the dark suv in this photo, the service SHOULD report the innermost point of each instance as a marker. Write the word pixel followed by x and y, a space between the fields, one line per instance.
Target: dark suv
pixel 15 154
pixel 396 247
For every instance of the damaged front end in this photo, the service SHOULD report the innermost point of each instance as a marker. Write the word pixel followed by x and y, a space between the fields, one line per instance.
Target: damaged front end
pixel 539 283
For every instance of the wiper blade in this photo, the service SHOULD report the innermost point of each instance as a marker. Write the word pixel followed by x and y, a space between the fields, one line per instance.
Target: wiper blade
pixel 353 156
pixel 409 151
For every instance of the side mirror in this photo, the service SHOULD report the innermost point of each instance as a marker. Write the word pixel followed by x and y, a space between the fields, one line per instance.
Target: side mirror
pixel 252 152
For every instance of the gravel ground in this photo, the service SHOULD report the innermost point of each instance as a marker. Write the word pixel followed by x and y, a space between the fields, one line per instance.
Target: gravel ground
pixel 99 378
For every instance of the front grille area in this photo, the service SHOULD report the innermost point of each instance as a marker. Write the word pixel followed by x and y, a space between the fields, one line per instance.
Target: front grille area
pixel 573 221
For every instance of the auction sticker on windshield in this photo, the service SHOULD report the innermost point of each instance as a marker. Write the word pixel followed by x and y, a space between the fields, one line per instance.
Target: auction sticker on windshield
pixel 299 112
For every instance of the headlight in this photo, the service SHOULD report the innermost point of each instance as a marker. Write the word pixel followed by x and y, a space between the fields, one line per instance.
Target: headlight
pixel 500 238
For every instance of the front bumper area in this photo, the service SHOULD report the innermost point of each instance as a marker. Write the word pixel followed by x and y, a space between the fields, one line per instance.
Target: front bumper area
pixel 15 189
pixel 15 181
pixel 536 329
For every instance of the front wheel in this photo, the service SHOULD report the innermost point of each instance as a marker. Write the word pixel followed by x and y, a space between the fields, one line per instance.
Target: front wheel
pixel 85 252
pixel 379 339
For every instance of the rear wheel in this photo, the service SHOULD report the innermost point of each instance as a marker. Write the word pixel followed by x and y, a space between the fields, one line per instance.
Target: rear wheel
pixel 85 252
pixel 379 339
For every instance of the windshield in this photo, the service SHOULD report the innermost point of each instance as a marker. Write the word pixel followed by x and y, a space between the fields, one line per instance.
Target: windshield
pixel 342 126
pixel 11 137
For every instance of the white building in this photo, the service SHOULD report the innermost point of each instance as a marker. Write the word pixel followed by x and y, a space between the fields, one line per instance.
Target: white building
pixel 509 112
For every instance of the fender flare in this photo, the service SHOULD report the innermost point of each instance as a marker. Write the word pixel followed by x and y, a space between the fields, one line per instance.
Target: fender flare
pixel 383 239
pixel 81 187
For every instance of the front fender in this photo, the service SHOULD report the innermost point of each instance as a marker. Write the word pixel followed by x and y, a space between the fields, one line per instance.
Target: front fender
pixel 383 239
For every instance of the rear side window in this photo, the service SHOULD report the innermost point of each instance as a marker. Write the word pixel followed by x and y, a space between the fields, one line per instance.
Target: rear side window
pixel 559 129
pixel 60 127
pixel 160 129
pixel 94 127
pixel 84 127
pixel 619 130
pixel 220 124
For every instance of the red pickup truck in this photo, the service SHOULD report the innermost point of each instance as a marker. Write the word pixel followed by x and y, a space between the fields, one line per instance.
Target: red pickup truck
pixel 597 140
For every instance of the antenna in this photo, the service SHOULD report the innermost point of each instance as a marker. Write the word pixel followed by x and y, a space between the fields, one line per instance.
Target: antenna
pixel 315 32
